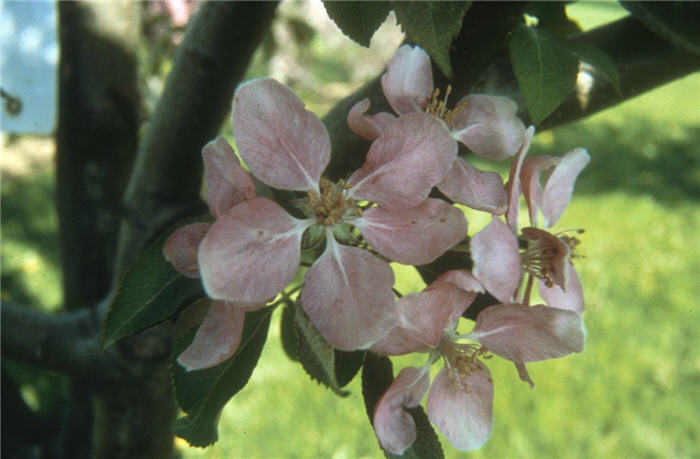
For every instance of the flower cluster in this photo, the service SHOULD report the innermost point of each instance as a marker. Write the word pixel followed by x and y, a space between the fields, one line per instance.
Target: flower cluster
pixel 351 229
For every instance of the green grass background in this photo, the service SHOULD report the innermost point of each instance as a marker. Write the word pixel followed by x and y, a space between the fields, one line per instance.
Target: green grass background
pixel 633 392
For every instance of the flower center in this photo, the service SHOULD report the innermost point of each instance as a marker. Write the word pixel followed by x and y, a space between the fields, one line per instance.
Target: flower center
pixel 461 360
pixel 333 204
pixel 545 255
pixel 438 108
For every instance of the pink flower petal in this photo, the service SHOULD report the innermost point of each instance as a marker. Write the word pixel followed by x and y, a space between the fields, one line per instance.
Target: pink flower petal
pixel 468 286
pixel 283 144
pixel 369 127
pixel 527 334
pixel 489 126
pixel 422 317
pixel 412 156
pixel 227 183
pixel 463 414
pixel 494 251
pixel 477 189
pixel 408 81
pixel 513 185
pixel 251 253
pixel 560 185
pixel 571 299
pixel 217 338
pixel 393 425
pixel 413 236
pixel 347 296
pixel 181 248
pixel 530 179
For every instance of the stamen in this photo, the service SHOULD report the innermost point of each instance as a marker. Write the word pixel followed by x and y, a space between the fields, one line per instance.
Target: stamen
pixel 332 206
pixel 438 108
pixel 461 360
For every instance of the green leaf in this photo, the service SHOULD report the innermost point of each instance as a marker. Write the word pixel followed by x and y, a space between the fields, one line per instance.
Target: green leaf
pixel 377 376
pixel 358 20
pixel 545 69
pixel 320 360
pixel 596 57
pixel 432 26
pixel 288 333
pixel 676 22
pixel 202 394
pixel 150 292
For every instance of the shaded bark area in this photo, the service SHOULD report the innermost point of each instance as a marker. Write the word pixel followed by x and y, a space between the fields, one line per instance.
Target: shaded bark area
pixel 96 139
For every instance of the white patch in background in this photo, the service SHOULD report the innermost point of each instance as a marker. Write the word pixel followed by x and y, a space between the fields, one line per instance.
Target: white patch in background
pixel 28 66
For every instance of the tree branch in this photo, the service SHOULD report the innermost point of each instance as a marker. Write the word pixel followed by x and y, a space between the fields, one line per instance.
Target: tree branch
pixel 66 342
pixel 166 177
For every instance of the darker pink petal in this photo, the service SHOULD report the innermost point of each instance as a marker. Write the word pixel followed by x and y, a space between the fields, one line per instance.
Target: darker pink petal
pixel 489 126
pixel 393 425
pixel 560 184
pixel 217 338
pixel 494 251
pixel 181 248
pixel 251 253
pixel 523 374
pixel 422 317
pixel 527 334
pixel 463 414
pixel 347 296
pixel 513 185
pixel 408 81
pixel 369 127
pixel 282 143
pixel 571 299
pixel 412 156
pixel 530 179
pixel 477 189
pixel 413 236
pixel 227 183
pixel 553 250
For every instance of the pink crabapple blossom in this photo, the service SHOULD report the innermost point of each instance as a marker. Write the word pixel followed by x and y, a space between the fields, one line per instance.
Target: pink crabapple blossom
pixel 501 259
pixel 253 249
pixel 460 402
pixel 486 124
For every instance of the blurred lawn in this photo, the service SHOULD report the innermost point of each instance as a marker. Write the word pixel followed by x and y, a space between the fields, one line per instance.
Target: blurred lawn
pixel 634 392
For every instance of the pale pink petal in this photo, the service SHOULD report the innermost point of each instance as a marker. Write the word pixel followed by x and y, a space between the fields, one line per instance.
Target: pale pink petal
pixel 468 285
pixel 251 253
pixel 489 126
pixel 571 299
pixel 513 185
pixel 477 189
pixel 463 414
pixel 393 425
pixel 347 296
pixel 283 144
pixel 408 81
pixel 369 127
pixel 227 183
pixel 181 248
pixel 527 334
pixel 422 317
pixel 412 156
pixel 217 338
pixel 413 236
pixel 560 184
pixel 523 374
pixel 530 179
pixel 494 251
